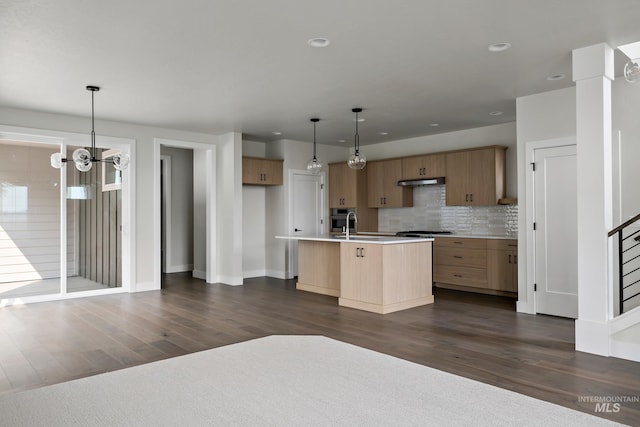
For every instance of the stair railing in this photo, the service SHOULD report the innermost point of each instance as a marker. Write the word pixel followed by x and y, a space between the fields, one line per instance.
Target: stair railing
pixel 628 263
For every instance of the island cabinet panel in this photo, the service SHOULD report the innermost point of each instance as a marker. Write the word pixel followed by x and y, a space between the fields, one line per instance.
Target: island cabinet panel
pixel 475 177
pixel 502 259
pixel 361 266
pixel 428 166
pixel 261 171
pixel 384 191
pixel 318 267
pixel 385 278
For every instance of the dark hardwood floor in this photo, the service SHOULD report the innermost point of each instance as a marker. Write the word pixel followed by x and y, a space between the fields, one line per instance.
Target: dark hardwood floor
pixel 475 336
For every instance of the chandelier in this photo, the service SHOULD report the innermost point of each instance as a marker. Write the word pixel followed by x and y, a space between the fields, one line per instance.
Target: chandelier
pixel 84 159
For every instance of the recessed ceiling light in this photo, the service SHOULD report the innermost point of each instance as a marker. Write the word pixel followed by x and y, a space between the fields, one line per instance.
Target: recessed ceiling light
pixel 496 113
pixel 276 133
pixel 556 77
pixel 319 42
pixel 383 133
pixel 342 140
pixel 433 125
pixel 499 47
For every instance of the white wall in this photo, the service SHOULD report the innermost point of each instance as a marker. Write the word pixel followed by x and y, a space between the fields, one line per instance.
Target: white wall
pixel 181 252
pixel 626 124
pixel 540 117
pixel 253 219
pixel 143 262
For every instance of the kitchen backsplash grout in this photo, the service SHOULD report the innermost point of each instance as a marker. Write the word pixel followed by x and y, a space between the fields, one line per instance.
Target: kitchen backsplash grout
pixel 429 212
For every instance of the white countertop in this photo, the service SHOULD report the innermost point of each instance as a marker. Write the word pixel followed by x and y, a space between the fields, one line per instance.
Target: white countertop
pixel 377 239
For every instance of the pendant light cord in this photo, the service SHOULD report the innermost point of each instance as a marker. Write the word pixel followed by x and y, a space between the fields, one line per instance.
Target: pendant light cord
pixel 357 137
pixel 93 132
pixel 314 140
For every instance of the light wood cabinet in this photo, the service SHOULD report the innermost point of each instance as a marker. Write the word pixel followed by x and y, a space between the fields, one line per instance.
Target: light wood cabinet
pixel 384 191
pixel 344 185
pixel 475 177
pixel 385 278
pixel 317 272
pixel 428 166
pixel 476 264
pixel 460 261
pixel 348 189
pixel 261 171
pixel 502 265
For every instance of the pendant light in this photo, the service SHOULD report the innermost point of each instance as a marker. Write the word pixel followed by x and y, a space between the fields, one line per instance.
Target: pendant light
pixel 314 165
pixel 357 160
pixel 632 70
pixel 84 159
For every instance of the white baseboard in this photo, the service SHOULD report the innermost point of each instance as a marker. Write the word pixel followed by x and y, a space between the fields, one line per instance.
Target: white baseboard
pixel 230 280
pixel 254 273
pixel 592 337
pixel 625 350
pixel 179 268
pixel 278 274
pixel 145 286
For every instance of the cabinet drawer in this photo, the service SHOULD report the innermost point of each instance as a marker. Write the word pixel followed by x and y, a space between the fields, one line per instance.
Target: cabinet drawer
pixel 453 242
pixel 460 256
pixel 464 276
pixel 502 244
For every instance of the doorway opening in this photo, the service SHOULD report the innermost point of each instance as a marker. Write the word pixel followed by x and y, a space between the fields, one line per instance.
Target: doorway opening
pixel 184 222
pixel 177 209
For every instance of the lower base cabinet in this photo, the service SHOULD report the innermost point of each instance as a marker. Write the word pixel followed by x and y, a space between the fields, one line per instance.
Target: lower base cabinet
pixel 476 265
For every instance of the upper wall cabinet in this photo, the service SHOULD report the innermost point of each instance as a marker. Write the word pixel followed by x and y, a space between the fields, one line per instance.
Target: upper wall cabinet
pixel 344 185
pixel 475 177
pixel 260 171
pixel 384 191
pixel 428 166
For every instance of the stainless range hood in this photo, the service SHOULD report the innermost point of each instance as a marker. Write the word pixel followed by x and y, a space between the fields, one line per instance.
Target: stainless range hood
pixel 421 182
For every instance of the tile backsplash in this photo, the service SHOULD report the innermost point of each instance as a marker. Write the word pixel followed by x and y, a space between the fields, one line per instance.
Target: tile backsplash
pixel 429 212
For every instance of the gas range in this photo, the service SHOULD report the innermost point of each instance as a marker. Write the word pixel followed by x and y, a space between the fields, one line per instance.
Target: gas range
pixel 421 233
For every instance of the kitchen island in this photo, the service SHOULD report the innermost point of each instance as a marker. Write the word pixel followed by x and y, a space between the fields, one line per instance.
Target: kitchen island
pixel 381 274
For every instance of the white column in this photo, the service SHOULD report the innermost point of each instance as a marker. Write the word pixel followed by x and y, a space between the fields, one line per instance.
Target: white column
pixel 593 72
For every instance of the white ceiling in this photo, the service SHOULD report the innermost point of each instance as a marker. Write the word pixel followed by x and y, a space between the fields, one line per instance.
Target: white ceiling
pixel 244 65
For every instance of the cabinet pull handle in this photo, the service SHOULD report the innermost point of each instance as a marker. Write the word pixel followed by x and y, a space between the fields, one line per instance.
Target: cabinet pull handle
pixel 515 259
pixel 457 275
pixel 459 257
pixel 466 197
pixel 362 252
pixel 509 258
pixel 457 243
pixel 471 197
pixel 385 200
pixel 357 252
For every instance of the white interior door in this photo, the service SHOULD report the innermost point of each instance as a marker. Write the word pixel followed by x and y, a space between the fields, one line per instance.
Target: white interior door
pixel 307 210
pixel 556 244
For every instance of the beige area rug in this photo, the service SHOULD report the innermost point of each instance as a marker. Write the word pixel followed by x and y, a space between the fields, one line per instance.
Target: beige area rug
pixel 282 381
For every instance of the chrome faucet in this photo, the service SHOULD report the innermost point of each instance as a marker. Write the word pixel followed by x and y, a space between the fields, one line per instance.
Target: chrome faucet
pixel 347 221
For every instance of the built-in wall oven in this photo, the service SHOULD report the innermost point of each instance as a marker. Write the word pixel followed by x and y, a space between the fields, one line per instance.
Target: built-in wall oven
pixel 339 220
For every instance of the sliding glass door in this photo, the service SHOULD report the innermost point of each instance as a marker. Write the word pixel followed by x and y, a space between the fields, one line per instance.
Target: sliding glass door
pixel 30 233
pixel 41 254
